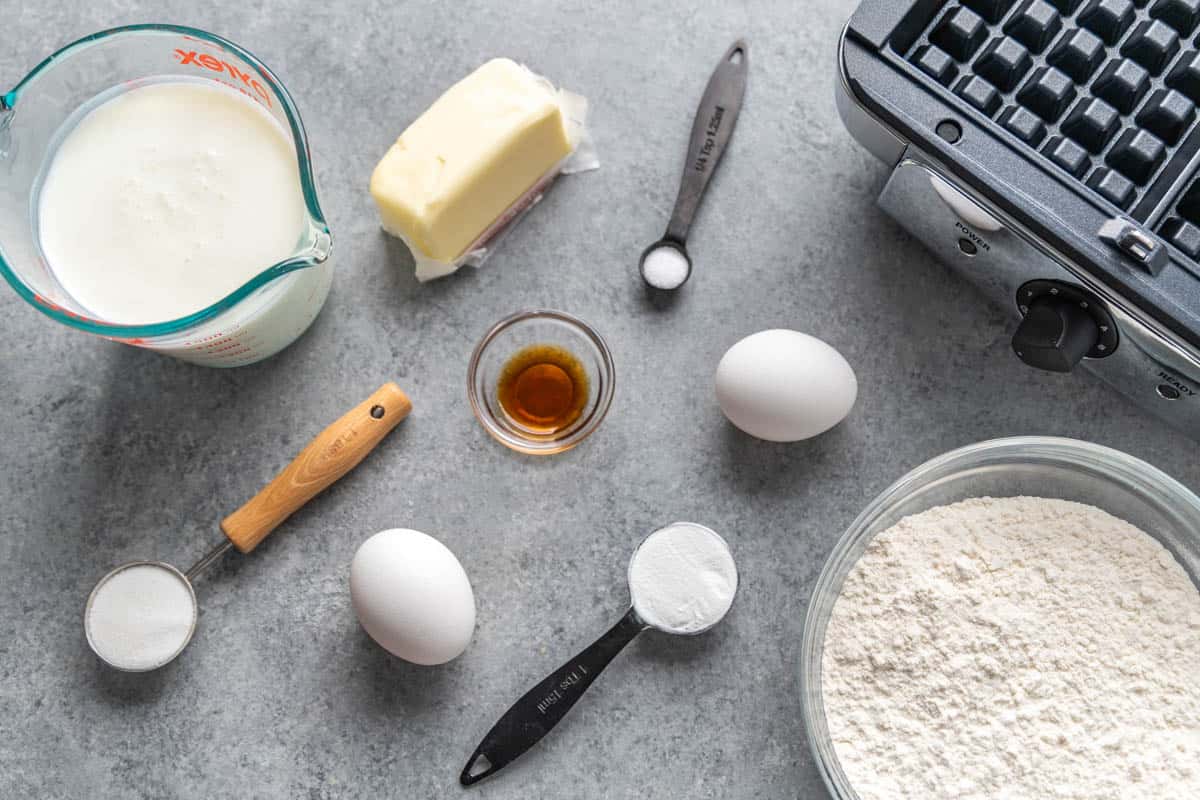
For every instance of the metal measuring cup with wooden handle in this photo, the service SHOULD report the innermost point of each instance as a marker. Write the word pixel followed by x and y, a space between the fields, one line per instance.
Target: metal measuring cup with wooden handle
pixel 333 453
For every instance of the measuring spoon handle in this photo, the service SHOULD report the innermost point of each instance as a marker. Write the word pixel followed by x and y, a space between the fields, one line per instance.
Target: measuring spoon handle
pixel 543 706
pixel 325 459
pixel 711 130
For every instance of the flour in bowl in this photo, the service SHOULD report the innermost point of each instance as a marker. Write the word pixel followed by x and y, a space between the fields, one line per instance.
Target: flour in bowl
pixel 1015 648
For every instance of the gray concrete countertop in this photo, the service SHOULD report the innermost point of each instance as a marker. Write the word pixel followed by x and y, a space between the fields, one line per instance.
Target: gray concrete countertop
pixel 110 453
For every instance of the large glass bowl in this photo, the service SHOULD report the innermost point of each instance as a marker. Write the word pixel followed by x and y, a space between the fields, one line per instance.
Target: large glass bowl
pixel 1030 465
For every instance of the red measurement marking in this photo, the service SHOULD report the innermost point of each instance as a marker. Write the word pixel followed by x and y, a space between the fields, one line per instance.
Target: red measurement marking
pixel 203 41
pixel 211 62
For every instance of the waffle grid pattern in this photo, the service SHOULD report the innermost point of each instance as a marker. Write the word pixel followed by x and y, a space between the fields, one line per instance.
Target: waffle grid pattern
pixel 1106 90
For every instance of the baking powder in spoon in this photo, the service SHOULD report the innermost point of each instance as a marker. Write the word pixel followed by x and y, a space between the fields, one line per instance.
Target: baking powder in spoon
pixel 683 578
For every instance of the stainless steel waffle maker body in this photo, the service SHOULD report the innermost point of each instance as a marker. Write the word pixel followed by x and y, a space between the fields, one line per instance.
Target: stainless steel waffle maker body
pixel 1049 150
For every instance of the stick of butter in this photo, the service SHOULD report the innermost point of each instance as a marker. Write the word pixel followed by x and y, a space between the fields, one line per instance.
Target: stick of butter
pixel 481 154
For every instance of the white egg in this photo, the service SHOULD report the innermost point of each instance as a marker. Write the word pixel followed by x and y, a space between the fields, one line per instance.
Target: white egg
pixel 412 596
pixel 784 386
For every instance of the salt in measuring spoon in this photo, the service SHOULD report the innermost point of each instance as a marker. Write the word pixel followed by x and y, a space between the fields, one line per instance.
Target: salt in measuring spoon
pixel 666 265
pixel 544 706
pixel 333 453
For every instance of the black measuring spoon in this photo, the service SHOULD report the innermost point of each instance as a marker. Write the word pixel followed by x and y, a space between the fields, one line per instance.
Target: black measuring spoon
pixel 542 707
pixel 666 265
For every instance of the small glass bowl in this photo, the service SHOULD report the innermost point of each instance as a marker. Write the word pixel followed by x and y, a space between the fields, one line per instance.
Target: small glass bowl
pixel 503 341
pixel 1037 466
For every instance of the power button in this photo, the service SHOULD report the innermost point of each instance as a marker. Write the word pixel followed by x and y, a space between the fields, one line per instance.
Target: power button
pixel 966 208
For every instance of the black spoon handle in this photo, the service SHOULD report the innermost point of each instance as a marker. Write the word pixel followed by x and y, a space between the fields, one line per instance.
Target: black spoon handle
pixel 711 130
pixel 543 706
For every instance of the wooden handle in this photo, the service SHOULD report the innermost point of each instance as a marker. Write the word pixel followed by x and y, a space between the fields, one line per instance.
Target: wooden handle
pixel 334 452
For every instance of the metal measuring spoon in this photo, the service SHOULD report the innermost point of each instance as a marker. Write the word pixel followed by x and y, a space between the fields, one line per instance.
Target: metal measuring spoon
pixel 662 269
pixel 333 453
pixel 544 706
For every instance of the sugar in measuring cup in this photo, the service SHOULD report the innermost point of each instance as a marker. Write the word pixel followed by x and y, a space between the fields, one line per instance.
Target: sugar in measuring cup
pixel 682 580
pixel 142 614
pixel 156 189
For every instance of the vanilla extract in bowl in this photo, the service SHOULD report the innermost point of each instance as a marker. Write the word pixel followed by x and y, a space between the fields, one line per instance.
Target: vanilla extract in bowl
pixel 544 388
pixel 540 381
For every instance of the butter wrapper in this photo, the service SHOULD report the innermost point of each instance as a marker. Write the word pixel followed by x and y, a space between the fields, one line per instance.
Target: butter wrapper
pixel 582 158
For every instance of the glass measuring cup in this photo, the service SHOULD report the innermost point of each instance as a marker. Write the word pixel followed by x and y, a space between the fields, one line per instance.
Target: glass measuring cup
pixel 259 318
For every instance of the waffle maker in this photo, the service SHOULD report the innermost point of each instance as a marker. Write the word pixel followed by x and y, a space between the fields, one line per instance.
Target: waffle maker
pixel 1050 151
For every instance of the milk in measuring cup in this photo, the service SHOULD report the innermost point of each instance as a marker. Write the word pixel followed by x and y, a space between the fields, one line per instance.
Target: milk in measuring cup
pixel 165 198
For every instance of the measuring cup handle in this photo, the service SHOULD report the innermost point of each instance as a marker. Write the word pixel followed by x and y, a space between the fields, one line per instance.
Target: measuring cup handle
pixel 543 706
pixel 336 450
pixel 711 130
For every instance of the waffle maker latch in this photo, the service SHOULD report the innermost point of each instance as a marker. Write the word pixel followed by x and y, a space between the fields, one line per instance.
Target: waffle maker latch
pixel 1125 235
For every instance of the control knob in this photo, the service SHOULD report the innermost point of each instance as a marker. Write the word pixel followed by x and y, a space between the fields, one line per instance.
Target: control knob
pixel 1055 334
